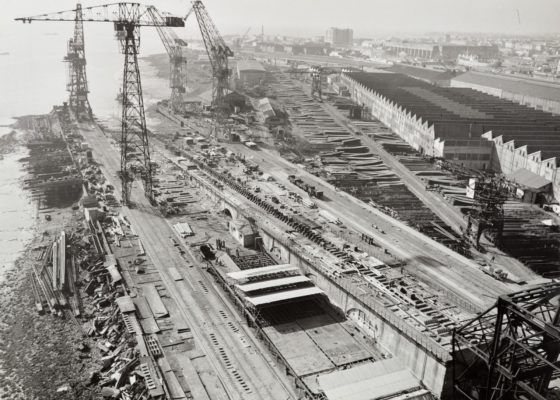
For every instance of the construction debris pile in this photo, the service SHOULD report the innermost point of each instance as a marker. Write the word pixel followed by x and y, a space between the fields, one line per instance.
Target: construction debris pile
pixel 77 281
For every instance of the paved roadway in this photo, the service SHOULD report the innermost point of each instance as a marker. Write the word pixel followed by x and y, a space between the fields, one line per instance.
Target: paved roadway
pixel 236 357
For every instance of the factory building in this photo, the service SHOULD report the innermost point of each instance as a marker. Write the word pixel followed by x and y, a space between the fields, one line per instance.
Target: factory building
pixel 530 92
pixel 440 52
pixel 338 37
pixel 249 72
pixel 465 126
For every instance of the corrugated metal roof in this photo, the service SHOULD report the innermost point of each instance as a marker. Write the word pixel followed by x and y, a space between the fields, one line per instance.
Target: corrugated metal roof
pixel 250 65
pixel 427 74
pixel 528 179
pixel 263 271
pixel 512 84
pixel 370 381
pixel 284 295
pixel 249 287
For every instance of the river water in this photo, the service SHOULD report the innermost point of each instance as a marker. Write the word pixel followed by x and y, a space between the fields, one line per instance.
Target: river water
pixel 32 80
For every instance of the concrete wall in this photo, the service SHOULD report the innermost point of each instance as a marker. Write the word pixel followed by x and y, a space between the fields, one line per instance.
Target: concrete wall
pixel 428 361
pixel 433 372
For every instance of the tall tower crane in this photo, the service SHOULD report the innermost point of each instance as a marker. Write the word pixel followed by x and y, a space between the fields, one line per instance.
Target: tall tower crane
pixel 218 52
pixel 77 78
pixel 177 61
pixel 127 18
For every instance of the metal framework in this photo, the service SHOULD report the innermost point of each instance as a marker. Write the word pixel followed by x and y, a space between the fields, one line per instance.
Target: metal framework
pixel 177 62
pixel 127 19
pixel 510 351
pixel 217 50
pixel 487 211
pixel 77 78
pixel 316 73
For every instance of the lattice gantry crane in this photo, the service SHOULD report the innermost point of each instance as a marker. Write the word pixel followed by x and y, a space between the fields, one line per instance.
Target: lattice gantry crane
pixel 174 47
pixel 316 73
pixel 127 19
pixel 511 351
pixel 218 52
pixel 77 78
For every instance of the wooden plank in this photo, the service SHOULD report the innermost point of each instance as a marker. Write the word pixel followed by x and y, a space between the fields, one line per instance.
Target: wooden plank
pixel 142 308
pixel 62 260
pixel 55 266
pixel 154 300
pixel 149 325
pixel 125 304
pixel 196 387
pixel 174 387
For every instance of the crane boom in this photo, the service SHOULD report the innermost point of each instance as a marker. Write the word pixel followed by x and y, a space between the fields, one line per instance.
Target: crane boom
pixel 174 48
pixel 127 19
pixel 217 50
pixel 122 12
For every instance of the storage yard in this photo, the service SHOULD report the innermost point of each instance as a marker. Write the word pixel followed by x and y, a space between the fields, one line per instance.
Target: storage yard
pixel 302 235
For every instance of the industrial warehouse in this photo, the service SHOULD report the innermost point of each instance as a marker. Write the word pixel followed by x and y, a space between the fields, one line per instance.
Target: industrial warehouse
pixel 465 126
pixel 266 216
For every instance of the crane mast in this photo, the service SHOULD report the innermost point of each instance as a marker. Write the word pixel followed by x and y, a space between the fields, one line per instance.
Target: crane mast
pixel 177 62
pixel 77 78
pixel 217 50
pixel 127 19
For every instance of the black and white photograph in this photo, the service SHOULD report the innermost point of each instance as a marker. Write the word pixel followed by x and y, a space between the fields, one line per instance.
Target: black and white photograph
pixel 280 200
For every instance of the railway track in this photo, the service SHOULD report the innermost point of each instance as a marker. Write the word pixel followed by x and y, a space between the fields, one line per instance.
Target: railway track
pixel 244 372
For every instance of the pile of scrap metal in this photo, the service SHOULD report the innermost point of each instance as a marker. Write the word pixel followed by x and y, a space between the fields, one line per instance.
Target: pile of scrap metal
pixel 127 370
pixel 122 375
pixel 56 281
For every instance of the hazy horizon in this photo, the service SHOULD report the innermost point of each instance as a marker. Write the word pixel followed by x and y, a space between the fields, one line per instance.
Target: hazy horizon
pixel 368 18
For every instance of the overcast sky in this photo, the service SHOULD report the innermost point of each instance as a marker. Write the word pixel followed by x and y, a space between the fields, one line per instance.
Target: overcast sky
pixel 366 17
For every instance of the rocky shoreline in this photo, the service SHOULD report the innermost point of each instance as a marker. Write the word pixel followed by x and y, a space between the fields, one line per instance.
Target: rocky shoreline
pixel 42 355
pixel 66 328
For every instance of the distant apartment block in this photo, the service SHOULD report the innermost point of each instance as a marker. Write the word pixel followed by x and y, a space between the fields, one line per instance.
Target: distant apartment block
pixel 338 37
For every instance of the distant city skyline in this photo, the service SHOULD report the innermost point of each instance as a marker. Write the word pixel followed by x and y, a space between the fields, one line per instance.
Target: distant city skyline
pixel 368 18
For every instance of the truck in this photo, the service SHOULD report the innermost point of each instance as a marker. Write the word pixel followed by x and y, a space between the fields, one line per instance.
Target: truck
pixel 496 273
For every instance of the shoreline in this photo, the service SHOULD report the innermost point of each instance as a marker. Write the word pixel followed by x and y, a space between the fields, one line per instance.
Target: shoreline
pixel 39 353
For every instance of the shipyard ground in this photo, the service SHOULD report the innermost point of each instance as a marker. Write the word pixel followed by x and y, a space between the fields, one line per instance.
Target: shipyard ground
pixel 199 309
pixel 394 296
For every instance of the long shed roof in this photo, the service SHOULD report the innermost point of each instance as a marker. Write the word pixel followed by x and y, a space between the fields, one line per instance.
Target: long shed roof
pixel 283 296
pixel 271 283
pixel 465 114
pixel 512 84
